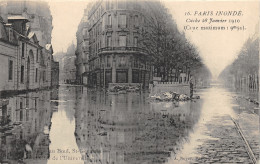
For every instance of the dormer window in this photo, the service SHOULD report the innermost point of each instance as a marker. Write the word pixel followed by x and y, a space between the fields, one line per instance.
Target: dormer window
pixel 11 36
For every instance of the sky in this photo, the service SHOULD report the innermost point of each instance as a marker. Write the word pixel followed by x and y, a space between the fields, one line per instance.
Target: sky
pixel 217 48
pixel 66 18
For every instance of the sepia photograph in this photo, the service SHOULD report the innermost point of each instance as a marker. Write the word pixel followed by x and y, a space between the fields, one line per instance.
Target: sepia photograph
pixel 129 81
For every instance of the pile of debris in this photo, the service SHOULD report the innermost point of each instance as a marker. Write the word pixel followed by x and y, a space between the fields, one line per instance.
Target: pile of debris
pixel 124 88
pixel 171 96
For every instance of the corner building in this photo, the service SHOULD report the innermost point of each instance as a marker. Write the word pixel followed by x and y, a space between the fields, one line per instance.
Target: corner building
pixel 116 53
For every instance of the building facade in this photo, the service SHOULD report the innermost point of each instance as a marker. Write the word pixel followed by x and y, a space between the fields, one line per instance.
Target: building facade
pixel 116 52
pixel 26 64
pixel 82 51
pixel 54 73
pixel 26 47
pixel 68 75
pixel 8 58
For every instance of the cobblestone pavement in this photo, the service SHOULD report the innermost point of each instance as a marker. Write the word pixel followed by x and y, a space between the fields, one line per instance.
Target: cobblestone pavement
pixel 215 138
pixel 249 124
pixel 225 147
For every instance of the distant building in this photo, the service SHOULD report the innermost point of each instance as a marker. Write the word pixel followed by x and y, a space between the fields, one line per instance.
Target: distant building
pixel 54 73
pixel 69 70
pixel 82 51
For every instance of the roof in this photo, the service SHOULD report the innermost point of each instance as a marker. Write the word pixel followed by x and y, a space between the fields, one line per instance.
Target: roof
pixel 17 17
pixel 30 35
pixel 48 46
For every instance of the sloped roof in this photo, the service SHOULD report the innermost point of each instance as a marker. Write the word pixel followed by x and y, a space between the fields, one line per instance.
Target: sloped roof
pixel 30 35
pixel 48 46
pixel 33 36
pixel 17 17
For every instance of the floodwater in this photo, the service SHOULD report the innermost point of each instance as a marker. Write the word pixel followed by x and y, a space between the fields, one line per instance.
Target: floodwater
pixel 80 125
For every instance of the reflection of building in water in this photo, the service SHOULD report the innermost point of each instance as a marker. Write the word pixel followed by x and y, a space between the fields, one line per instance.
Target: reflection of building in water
pixel 27 134
pixel 125 128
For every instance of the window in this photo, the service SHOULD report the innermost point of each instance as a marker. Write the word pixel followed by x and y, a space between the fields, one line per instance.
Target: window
pixel 11 35
pixel 35 103
pixel 109 41
pixel 10 70
pixel 122 41
pixel 136 21
pixel 21 103
pixel 122 61
pixel 85 31
pixel 44 77
pixel 21 115
pixel 27 102
pixel 27 115
pixel 135 41
pixel 36 75
pixel 122 21
pixel 37 56
pixel 135 63
pixel 109 20
pixel 22 49
pixel 22 74
pixel 109 61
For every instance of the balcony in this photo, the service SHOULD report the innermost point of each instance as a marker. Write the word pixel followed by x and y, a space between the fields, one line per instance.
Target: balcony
pixel 108 26
pixel 122 49
pixel 122 26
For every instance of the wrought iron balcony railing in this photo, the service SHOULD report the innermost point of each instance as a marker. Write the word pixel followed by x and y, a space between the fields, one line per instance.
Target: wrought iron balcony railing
pixel 108 26
pixel 137 49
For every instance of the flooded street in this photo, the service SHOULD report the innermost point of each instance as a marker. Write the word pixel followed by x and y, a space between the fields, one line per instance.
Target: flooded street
pixel 74 124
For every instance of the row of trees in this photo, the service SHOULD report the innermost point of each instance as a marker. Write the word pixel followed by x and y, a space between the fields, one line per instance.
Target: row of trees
pixel 243 72
pixel 171 52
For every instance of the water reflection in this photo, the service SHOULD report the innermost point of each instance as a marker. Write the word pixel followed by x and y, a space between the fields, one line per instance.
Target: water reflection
pixel 126 128
pixel 25 134
pixel 94 127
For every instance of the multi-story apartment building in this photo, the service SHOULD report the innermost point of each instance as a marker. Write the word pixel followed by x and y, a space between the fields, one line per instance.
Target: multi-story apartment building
pixel 116 53
pixel 82 51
